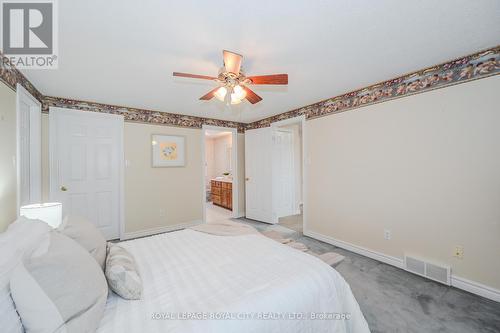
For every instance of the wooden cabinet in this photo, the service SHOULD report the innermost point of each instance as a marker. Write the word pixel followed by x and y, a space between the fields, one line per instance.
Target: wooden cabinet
pixel 222 194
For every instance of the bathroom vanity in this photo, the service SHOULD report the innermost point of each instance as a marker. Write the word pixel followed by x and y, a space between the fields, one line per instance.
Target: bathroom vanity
pixel 222 192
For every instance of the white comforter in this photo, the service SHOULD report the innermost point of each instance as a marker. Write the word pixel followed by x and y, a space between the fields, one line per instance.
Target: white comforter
pixel 256 284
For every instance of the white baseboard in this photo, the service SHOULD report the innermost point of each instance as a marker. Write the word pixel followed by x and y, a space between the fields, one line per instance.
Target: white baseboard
pixel 154 231
pixel 357 249
pixel 240 214
pixel 456 281
pixel 475 288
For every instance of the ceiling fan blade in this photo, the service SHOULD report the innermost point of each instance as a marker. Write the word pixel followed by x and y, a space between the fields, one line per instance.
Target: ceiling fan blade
pixel 232 61
pixel 270 79
pixel 209 95
pixel 251 96
pixel 194 76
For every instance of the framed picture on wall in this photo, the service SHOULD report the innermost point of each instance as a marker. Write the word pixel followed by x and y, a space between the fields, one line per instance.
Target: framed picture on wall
pixel 168 151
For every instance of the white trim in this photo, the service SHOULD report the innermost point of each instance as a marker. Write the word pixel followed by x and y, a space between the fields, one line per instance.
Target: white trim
pixel 456 281
pixel 475 288
pixel 240 214
pixel 203 178
pixel 301 120
pixel 159 230
pixel 53 166
pixel 121 176
pixel 234 166
pixel 397 262
pixel 54 175
pixel 35 119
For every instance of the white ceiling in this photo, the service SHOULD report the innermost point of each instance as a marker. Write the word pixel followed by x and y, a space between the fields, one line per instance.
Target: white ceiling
pixel 123 52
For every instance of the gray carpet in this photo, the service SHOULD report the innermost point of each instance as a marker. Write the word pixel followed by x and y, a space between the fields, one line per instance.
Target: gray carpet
pixel 393 300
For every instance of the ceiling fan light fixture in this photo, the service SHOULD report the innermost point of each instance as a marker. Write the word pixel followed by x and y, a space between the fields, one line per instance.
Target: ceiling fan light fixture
pixel 220 94
pixel 233 82
pixel 239 92
pixel 235 100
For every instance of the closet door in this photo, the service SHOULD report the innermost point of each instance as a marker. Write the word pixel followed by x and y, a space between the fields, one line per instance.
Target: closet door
pixel 258 172
pixel 87 166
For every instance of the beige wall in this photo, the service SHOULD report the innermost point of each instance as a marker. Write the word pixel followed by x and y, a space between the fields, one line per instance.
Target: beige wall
pixel 148 191
pixel 8 185
pixel 427 167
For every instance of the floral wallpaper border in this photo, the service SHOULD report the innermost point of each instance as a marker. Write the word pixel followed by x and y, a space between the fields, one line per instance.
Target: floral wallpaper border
pixel 139 115
pixel 472 67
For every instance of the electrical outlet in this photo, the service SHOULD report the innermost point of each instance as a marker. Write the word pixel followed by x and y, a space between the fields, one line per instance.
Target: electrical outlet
pixel 387 234
pixel 459 252
pixel 163 213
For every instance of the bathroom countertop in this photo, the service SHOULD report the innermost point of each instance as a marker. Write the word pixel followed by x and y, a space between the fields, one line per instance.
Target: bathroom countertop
pixel 225 180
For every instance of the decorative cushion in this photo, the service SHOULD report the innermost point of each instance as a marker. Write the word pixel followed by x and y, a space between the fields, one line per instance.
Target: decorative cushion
pixel 22 237
pixel 87 235
pixel 62 290
pixel 122 274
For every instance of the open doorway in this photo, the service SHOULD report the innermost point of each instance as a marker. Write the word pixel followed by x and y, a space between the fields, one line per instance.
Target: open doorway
pixel 288 171
pixel 220 188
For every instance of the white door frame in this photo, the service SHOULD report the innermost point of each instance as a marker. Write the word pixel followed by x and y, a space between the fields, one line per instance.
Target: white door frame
pixel 53 163
pixel 35 154
pixel 234 167
pixel 302 121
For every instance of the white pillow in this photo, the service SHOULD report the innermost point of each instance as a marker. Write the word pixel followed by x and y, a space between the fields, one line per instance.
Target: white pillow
pixel 122 273
pixel 62 290
pixel 21 238
pixel 87 235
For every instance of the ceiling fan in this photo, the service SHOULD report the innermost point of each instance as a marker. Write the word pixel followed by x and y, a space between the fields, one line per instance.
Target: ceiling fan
pixel 233 83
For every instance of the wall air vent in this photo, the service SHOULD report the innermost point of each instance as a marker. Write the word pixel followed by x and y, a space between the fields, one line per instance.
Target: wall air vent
pixel 433 271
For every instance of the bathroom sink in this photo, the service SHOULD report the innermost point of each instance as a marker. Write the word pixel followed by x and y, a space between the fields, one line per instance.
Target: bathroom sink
pixel 227 179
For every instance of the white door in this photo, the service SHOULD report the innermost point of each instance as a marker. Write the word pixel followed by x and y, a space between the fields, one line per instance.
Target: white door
pixel 258 175
pixel 29 160
pixel 283 172
pixel 86 171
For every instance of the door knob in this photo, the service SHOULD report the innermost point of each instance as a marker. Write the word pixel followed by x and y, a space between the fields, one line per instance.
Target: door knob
pixel 63 188
pixel 247 179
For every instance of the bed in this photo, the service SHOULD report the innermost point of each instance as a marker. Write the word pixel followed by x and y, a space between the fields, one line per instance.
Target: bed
pixel 198 282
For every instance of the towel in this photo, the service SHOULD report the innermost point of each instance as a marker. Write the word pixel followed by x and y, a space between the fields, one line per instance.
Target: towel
pixel 225 228
pixel 230 228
